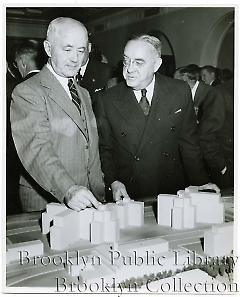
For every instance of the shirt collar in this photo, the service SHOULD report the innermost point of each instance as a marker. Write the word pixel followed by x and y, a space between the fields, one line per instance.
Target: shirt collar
pixel 149 88
pixel 194 89
pixel 63 80
pixel 211 82
pixel 33 71
pixel 83 68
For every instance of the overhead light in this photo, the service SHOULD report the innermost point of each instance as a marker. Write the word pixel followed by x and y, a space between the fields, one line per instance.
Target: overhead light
pixel 34 10
pixel 15 11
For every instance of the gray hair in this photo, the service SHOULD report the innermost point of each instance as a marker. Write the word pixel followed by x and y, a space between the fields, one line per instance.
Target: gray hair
pixel 54 25
pixel 152 40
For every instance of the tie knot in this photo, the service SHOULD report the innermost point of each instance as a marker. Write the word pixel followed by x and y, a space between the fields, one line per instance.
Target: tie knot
pixel 70 83
pixel 144 92
pixel 79 76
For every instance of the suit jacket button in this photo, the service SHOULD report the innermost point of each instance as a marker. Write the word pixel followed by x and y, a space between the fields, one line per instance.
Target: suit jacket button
pixel 86 146
pixel 173 128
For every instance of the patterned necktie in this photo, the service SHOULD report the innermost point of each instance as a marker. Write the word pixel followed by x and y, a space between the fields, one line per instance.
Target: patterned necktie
pixel 75 98
pixel 144 102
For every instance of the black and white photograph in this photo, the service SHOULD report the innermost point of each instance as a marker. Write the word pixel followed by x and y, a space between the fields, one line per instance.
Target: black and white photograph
pixel 120 132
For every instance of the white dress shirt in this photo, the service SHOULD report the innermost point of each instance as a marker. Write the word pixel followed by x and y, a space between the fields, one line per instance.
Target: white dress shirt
pixel 83 68
pixel 63 80
pixel 33 71
pixel 194 89
pixel 149 95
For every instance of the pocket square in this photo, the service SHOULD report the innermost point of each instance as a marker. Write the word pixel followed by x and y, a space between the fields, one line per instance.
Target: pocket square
pixel 177 111
pixel 96 90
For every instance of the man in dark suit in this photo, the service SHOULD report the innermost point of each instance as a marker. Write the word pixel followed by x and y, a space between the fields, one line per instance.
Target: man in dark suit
pixel 211 115
pixel 13 165
pixel 147 129
pixel 27 59
pixel 209 75
pixel 93 74
pixel 226 135
pixel 202 93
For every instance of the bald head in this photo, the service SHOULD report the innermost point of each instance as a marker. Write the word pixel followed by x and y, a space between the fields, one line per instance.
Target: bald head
pixel 60 25
pixel 66 45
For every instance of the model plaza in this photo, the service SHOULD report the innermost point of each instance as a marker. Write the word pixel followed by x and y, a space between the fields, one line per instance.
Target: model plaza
pixel 121 241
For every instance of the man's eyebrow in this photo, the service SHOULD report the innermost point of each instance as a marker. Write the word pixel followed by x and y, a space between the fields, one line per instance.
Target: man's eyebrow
pixel 69 45
pixel 137 59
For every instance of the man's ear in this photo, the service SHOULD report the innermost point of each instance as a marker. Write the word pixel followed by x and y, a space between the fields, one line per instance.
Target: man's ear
pixel 158 63
pixel 22 60
pixel 47 47
pixel 89 47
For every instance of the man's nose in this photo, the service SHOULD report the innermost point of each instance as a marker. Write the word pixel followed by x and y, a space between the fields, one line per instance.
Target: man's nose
pixel 74 56
pixel 131 67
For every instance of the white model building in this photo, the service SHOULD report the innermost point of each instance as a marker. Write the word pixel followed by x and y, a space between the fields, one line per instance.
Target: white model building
pixel 133 259
pixel 100 225
pixel 27 248
pixel 218 241
pixel 104 227
pixel 189 207
pixel 69 226
pixel 129 213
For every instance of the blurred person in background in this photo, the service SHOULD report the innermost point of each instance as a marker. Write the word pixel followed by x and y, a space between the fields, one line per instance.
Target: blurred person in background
pixel 210 75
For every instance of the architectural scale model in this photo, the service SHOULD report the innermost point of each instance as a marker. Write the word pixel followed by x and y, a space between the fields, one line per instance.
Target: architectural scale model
pixel 139 253
pixel 189 207
pixel 195 276
pixel 32 248
pixel 133 259
pixel 218 241
pixel 95 225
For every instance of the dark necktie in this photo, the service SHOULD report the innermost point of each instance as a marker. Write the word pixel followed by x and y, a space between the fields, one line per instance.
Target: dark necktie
pixel 79 77
pixel 75 98
pixel 144 102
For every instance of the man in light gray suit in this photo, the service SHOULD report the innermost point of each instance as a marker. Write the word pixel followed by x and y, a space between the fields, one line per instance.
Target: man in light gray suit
pixel 54 128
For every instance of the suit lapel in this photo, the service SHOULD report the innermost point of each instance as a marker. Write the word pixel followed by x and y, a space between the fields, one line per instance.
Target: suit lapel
pixel 127 105
pixel 60 97
pixel 197 95
pixel 158 111
pixel 85 109
pixel 132 119
pixel 142 129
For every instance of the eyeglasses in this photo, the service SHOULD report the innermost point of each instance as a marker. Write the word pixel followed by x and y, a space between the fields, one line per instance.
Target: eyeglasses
pixel 136 63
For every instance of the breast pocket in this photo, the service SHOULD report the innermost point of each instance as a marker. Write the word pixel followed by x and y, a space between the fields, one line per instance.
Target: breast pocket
pixel 175 120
